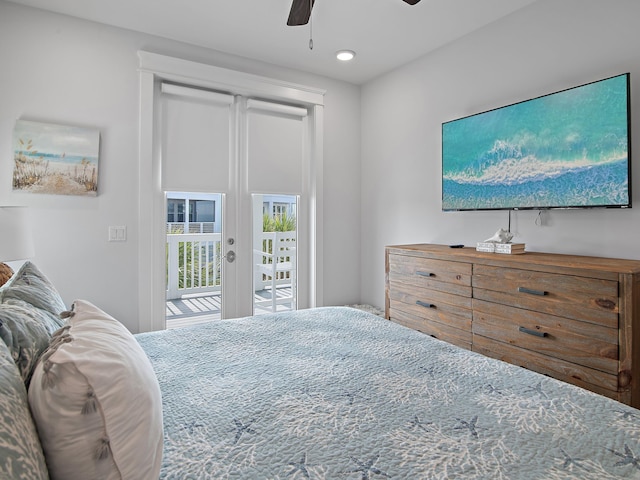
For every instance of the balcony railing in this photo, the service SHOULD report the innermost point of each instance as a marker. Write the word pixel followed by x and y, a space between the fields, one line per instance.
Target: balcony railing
pixel 194 263
pixel 191 227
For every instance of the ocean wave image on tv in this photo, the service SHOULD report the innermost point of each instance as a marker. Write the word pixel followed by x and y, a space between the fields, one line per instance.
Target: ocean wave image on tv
pixel 568 149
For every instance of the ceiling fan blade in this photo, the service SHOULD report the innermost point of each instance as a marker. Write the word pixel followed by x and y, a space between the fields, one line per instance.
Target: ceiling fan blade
pixel 300 12
pixel 411 2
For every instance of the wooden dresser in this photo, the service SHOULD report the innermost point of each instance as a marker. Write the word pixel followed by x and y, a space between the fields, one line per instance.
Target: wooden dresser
pixel 571 317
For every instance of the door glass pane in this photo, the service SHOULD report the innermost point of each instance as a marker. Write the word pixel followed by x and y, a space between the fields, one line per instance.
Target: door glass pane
pixel 194 258
pixel 274 252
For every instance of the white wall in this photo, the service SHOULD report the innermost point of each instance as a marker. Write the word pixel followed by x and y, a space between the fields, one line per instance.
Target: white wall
pixel 548 46
pixel 68 71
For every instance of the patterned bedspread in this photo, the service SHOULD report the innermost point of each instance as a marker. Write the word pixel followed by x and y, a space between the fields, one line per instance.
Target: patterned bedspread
pixel 337 393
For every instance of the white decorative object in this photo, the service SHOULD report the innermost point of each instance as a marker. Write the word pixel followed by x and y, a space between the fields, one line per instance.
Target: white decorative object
pixel 501 236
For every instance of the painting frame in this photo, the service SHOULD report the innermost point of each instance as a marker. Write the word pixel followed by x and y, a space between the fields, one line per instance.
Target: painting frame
pixel 55 159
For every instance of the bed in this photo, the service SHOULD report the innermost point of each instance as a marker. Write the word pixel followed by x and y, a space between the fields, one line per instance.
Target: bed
pixel 338 393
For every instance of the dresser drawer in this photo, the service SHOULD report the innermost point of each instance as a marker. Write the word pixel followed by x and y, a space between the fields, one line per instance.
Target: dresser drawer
pixel 451 277
pixel 433 305
pixel 589 378
pixel 587 299
pixel 583 343
pixel 399 313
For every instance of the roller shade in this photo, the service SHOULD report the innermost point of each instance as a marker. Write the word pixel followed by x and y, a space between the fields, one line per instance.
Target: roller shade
pixel 275 142
pixel 196 138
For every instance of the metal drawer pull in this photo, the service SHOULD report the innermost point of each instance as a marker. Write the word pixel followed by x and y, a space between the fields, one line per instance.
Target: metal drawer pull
pixel 532 292
pixel 425 274
pixel 533 332
pixel 425 304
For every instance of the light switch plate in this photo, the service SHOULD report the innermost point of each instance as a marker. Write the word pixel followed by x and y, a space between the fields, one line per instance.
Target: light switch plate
pixel 118 233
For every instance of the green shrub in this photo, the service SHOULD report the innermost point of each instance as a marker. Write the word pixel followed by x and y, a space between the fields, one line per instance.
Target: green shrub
pixel 281 223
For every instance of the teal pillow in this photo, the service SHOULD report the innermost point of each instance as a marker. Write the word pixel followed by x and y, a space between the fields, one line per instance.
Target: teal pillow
pixel 22 328
pixel 20 450
pixel 29 314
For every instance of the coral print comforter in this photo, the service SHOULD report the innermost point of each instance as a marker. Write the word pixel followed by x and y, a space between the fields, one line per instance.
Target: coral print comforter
pixel 337 393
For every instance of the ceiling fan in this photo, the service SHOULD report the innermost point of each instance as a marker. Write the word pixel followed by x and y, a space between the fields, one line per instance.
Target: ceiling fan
pixel 301 11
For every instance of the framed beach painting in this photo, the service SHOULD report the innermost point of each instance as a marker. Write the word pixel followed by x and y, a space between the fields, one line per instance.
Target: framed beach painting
pixel 55 159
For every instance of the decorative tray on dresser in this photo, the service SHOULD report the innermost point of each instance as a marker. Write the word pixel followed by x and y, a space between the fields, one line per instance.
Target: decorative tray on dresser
pixel 575 318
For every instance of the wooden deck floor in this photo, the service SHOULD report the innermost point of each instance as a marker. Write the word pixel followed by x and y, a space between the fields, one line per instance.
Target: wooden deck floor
pixel 200 309
pixel 192 311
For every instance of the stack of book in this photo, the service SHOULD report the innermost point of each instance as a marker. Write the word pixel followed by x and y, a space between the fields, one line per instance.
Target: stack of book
pixel 493 247
pixel 486 247
pixel 510 248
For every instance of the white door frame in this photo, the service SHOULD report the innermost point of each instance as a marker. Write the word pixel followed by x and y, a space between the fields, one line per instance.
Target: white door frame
pixel 155 68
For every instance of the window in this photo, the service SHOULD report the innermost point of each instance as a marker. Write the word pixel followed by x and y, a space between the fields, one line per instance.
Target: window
pixel 278 206
pixel 202 211
pixel 280 210
pixel 175 211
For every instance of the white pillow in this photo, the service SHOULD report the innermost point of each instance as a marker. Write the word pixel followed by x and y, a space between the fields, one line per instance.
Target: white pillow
pixel 96 401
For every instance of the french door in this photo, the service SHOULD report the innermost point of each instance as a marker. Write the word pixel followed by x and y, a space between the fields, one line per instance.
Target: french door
pixel 207 129
pixel 241 148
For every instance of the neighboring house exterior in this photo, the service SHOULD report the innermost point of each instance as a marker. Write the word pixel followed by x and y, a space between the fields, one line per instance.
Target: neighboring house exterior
pixel 194 212
pixel 202 212
pixel 278 205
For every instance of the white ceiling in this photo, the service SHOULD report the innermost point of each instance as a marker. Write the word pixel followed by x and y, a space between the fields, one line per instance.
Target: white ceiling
pixel 384 33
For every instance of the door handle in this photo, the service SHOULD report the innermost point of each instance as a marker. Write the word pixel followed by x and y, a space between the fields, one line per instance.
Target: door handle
pixel 230 256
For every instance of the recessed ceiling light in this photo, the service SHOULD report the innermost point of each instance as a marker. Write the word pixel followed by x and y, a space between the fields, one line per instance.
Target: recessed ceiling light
pixel 345 55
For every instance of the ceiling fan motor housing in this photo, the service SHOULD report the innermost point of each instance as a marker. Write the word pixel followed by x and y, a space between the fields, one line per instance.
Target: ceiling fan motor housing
pixel 301 11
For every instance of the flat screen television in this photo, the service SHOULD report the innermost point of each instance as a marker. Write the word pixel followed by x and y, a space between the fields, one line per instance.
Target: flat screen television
pixel 569 149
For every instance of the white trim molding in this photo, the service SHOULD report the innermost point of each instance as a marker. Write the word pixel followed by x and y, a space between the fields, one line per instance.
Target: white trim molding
pixel 229 81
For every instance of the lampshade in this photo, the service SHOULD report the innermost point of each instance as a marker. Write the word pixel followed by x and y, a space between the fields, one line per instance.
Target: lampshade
pixel 16 242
